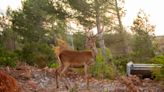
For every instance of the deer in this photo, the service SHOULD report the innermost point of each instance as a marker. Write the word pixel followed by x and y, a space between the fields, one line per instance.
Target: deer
pixel 72 58
pixel 75 59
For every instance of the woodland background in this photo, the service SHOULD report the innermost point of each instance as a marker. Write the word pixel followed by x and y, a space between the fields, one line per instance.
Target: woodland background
pixel 30 33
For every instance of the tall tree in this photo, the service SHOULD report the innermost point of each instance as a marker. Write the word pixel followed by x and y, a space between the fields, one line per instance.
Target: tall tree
pixel 7 34
pixel 94 13
pixel 123 50
pixel 37 18
pixel 34 24
pixel 144 34
pixel 118 16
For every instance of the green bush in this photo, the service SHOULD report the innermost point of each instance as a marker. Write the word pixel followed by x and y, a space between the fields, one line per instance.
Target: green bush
pixel 120 63
pixel 159 59
pixel 7 58
pixel 159 73
pixel 37 54
pixel 53 65
pixel 101 69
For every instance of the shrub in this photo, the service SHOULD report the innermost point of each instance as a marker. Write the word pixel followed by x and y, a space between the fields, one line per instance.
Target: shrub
pixel 53 65
pixel 37 54
pixel 7 58
pixel 159 73
pixel 120 63
pixel 101 69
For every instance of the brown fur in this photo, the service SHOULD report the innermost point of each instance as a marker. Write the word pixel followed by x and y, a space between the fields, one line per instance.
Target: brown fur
pixel 75 59
pixel 8 83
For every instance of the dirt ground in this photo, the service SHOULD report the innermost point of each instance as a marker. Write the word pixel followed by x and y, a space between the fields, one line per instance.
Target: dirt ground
pixel 32 79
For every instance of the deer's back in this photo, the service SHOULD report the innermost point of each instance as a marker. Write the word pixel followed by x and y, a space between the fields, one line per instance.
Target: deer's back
pixel 75 57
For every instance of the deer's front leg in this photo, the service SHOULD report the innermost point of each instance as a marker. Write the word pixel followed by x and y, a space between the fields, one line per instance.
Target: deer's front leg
pixel 59 61
pixel 57 73
pixel 64 69
pixel 86 74
pixel 62 74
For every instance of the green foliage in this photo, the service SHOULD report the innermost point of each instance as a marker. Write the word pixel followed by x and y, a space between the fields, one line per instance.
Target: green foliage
pixel 101 69
pixel 38 21
pixel 7 58
pixel 79 40
pixel 117 44
pixel 159 73
pixel 28 22
pixel 39 54
pixel 53 65
pixel 35 24
pixel 99 56
pixel 159 59
pixel 143 49
pixel 86 11
pixel 120 63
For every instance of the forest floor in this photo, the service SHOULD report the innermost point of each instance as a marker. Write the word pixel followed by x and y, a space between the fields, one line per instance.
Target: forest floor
pixel 32 79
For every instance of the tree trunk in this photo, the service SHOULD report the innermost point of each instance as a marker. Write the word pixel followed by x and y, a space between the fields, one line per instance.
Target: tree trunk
pixel 121 30
pixel 118 16
pixel 10 42
pixel 100 38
